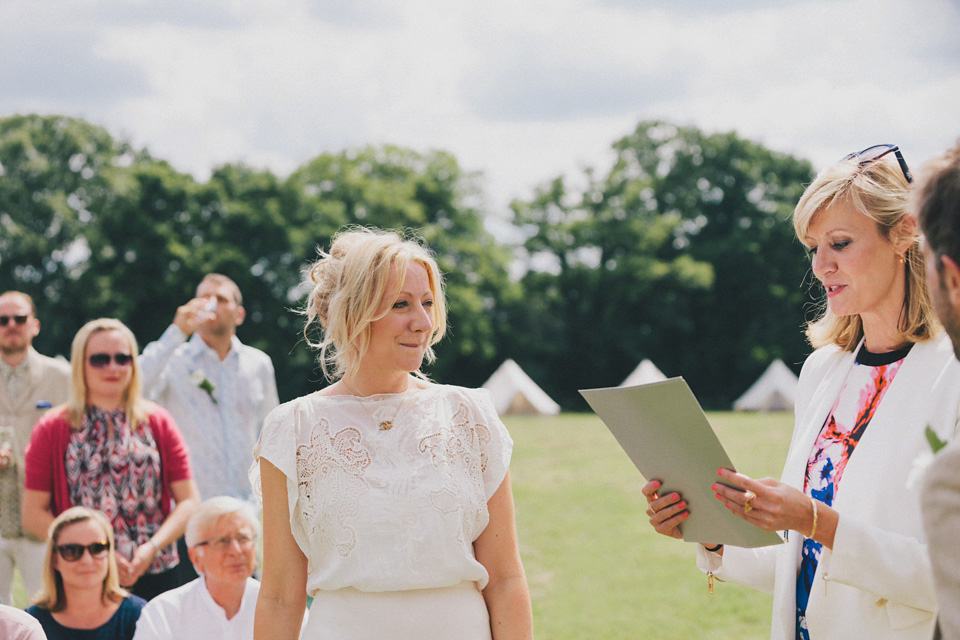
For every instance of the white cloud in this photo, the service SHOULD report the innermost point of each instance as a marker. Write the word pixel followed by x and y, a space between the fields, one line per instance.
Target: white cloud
pixel 523 91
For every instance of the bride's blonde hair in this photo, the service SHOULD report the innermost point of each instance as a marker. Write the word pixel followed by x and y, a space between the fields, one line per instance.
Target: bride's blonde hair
pixel 347 285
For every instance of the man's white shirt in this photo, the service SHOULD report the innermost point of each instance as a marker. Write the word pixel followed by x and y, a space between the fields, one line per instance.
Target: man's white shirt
pixel 190 612
pixel 221 423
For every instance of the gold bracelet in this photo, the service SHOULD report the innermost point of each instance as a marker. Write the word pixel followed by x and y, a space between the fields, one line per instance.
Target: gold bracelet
pixel 813 529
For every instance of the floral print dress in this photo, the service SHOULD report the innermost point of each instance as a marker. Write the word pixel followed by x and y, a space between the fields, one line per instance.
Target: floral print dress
pixel 846 423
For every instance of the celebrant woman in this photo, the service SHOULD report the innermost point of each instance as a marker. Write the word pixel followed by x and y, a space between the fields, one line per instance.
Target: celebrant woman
pixel 854 563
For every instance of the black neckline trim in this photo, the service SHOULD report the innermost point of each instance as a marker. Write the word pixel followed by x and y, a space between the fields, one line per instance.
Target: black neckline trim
pixel 871 359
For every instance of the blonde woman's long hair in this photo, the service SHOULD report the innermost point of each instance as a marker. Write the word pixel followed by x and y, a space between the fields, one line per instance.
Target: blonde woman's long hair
pixel 52 595
pixel 136 407
pixel 878 190
pixel 347 285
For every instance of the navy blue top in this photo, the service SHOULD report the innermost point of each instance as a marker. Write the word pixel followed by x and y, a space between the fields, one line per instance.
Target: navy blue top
pixel 120 626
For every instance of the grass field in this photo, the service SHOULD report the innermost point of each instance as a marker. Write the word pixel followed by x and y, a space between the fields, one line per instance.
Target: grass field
pixel 597 571
pixel 595 567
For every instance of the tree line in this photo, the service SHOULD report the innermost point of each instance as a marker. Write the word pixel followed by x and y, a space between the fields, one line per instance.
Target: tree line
pixel 681 252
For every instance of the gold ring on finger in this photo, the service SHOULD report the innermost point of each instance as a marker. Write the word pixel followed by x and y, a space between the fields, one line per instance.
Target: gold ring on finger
pixel 748 501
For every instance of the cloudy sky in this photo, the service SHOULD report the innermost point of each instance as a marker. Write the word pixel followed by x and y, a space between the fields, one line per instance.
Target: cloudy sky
pixel 520 90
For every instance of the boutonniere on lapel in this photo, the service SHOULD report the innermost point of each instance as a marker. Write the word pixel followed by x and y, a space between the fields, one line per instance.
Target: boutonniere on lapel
pixel 935 442
pixel 201 381
pixel 924 458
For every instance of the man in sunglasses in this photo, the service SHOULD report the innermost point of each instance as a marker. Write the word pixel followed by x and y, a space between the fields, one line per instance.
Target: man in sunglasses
pixel 221 536
pixel 30 384
pixel 936 203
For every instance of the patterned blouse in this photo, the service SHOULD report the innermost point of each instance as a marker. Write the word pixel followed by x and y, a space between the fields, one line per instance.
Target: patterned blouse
pixel 120 475
pixel 855 406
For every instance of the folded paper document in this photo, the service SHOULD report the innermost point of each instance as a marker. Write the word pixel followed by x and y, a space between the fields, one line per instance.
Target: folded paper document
pixel 667 436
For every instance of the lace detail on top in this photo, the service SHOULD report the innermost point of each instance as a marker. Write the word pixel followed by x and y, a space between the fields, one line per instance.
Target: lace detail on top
pixel 388 510
pixel 458 451
pixel 330 476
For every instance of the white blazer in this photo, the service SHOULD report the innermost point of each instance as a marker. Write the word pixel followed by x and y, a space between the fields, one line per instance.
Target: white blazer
pixel 877 580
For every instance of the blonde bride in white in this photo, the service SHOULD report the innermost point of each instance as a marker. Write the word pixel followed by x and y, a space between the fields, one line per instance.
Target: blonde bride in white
pixel 386 497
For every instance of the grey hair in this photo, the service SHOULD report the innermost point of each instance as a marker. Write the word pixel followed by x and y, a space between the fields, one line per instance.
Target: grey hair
pixel 212 509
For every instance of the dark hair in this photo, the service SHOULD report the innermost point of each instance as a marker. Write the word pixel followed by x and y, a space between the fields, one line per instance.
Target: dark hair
pixel 936 202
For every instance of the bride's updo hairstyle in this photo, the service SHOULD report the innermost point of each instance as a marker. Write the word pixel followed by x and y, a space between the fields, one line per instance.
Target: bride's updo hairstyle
pixel 347 285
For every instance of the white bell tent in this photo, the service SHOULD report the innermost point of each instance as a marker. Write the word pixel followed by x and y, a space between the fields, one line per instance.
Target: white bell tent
pixel 514 392
pixel 645 372
pixel 775 390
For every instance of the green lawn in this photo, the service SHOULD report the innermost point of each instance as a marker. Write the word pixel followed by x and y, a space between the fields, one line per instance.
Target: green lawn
pixel 597 571
pixel 595 567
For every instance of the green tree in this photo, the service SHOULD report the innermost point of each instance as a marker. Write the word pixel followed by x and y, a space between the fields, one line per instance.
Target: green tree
pixel 92 227
pixel 683 252
pixel 56 175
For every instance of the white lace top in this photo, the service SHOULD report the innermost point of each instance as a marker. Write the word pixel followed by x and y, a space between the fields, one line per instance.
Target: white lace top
pixel 388 510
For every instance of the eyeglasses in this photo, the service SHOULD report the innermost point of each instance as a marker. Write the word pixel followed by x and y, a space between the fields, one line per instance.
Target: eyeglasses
pixel 222 544
pixel 877 151
pixel 101 360
pixel 73 552
pixel 19 320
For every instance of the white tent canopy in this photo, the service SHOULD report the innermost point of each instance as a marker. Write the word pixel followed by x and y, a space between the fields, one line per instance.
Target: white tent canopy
pixel 515 393
pixel 775 390
pixel 645 372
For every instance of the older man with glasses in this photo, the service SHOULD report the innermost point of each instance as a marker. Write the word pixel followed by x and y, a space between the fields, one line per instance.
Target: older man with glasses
pixel 221 539
pixel 30 384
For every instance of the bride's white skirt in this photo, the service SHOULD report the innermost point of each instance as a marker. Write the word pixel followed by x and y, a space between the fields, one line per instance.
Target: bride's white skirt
pixel 449 613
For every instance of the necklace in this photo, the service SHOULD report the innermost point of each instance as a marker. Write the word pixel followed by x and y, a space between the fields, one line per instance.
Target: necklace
pixel 383 425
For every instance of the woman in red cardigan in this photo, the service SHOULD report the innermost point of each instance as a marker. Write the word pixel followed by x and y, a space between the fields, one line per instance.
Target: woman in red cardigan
pixel 111 450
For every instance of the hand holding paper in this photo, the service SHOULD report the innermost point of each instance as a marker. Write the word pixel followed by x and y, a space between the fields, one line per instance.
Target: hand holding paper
pixel 666 434
pixel 666 512
pixel 776 507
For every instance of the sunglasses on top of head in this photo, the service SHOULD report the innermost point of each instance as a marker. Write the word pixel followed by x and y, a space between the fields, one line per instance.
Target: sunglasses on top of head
pixel 877 151
pixel 73 552
pixel 101 360
pixel 18 320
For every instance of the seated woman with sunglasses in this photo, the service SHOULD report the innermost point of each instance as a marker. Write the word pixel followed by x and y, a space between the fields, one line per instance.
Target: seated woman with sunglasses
pixel 854 562
pixel 81 597
pixel 108 449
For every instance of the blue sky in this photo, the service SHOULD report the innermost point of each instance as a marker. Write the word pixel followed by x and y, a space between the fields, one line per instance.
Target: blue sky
pixel 521 91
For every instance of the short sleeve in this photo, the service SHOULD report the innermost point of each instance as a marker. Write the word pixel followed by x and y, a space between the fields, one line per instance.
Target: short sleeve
pixel 500 447
pixel 278 445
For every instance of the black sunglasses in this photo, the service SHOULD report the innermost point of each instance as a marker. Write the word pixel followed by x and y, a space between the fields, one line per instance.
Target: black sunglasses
pixel 73 552
pixel 20 320
pixel 101 360
pixel 877 151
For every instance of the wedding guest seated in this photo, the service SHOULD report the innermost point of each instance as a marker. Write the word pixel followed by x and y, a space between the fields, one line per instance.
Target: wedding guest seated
pixel 81 595
pixel 221 540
